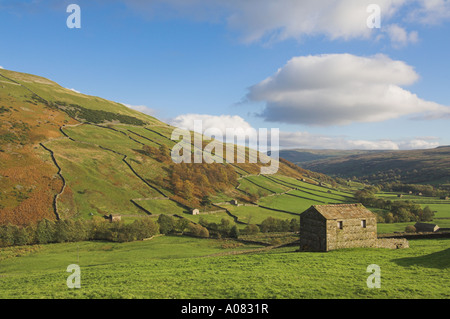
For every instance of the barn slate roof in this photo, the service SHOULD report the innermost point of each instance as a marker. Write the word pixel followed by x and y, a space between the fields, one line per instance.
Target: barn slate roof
pixel 343 211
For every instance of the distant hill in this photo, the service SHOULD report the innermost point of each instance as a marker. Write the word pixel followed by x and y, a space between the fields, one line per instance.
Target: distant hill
pixel 431 166
pixel 303 156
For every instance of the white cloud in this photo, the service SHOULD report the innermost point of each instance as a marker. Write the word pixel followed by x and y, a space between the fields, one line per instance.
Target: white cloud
pixel 342 19
pixel 141 108
pixel 419 143
pixel 430 12
pixel 216 125
pixel 339 89
pixel 290 140
pixel 400 37
pixel 223 128
pixel 280 20
pixel 74 90
pixel 1 67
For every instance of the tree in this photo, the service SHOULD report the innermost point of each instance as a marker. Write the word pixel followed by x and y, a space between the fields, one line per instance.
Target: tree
pixel 150 150
pixel 166 224
pixel 410 229
pixel 144 228
pixel 389 218
pixel 22 236
pixel 62 231
pixel 225 227
pixel 206 201
pixel 269 225
pixel 427 214
pixel 234 232
pixel 251 229
pixel 198 230
pixel 181 225
pixel 403 215
pixel 45 231
pixel 164 153
pixel 7 235
pixel 204 233
pixel 294 225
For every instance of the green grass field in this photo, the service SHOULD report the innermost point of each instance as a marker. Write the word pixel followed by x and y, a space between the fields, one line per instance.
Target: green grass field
pixel 439 206
pixel 182 267
pixel 255 214
pixel 161 206
pixel 287 202
pixel 88 177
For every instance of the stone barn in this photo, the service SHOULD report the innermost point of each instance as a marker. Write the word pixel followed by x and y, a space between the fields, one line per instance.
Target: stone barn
pixel 426 228
pixel 329 227
pixel 195 211
pixel 114 218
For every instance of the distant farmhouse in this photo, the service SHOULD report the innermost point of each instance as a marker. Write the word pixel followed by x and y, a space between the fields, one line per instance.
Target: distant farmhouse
pixel 329 227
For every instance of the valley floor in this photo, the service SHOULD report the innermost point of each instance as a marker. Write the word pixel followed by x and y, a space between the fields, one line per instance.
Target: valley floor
pixel 182 267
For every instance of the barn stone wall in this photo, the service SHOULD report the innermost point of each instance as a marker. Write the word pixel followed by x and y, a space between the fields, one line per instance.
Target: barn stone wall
pixel 392 243
pixel 312 232
pixel 352 234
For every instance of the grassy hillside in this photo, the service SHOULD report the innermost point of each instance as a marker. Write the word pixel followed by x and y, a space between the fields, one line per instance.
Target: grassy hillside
pixel 69 155
pixel 416 166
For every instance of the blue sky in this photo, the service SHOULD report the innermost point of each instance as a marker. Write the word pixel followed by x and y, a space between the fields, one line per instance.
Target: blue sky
pixel 313 69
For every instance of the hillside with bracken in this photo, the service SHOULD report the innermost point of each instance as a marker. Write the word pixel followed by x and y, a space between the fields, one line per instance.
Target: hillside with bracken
pixel 68 155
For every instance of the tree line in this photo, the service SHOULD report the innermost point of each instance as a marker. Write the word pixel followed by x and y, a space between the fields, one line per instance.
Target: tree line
pixel 97 116
pixel 192 183
pixel 397 211
pixel 60 231
pixel 99 229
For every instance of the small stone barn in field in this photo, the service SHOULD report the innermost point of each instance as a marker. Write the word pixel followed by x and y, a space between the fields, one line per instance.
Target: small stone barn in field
pixel 329 227
pixel 426 228
pixel 114 218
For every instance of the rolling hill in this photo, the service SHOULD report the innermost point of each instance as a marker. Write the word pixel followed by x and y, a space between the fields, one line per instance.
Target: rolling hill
pixel 69 155
pixel 431 166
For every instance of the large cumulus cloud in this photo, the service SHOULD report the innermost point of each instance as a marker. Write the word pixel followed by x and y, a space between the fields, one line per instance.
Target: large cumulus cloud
pixel 339 89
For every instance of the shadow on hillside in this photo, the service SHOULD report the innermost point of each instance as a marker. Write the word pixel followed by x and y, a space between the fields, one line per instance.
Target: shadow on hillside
pixel 439 260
